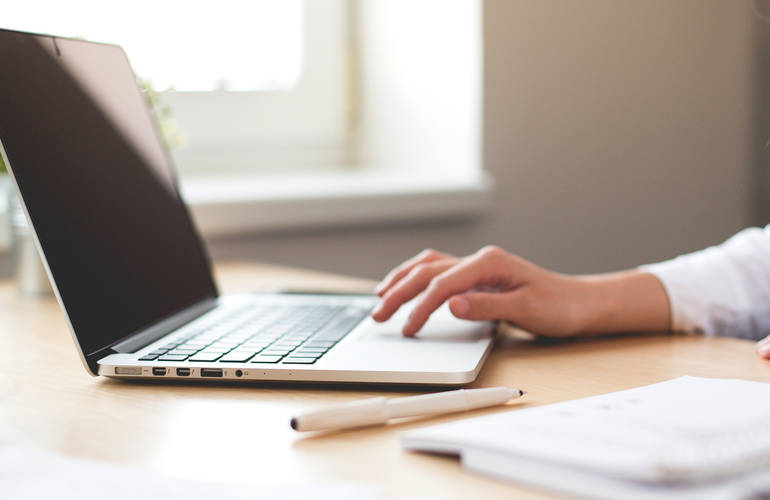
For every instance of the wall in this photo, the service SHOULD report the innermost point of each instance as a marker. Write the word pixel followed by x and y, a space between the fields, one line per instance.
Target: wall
pixel 618 132
pixel 418 86
pixel 760 141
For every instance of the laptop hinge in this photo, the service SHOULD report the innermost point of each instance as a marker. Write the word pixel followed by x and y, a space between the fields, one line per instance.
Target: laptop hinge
pixel 149 335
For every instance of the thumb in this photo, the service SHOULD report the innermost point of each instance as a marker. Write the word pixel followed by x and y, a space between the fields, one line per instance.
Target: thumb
pixel 479 306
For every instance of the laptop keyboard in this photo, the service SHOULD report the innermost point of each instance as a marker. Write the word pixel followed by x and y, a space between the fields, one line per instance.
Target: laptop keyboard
pixel 287 334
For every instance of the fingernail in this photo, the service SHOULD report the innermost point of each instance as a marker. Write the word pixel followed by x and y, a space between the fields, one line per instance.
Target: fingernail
pixel 377 310
pixel 764 350
pixel 460 306
pixel 765 340
pixel 408 328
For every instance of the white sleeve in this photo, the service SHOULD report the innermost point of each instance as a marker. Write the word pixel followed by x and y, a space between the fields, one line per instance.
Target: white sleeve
pixel 722 290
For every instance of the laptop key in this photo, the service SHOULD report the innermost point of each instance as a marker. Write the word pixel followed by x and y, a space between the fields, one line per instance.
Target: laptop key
pixel 309 345
pixel 148 357
pixel 262 358
pixel 217 348
pixel 237 357
pixel 228 344
pixel 206 356
pixel 319 350
pixel 287 343
pixel 276 352
pixel 183 351
pixel 306 354
pixel 279 349
pixel 251 347
pixel 291 360
pixel 194 345
pixel 173 357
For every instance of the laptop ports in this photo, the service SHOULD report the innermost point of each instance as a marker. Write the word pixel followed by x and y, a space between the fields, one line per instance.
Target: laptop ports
pixel 128 370
pixel 211 372
pixel 183 372
pixel 158 372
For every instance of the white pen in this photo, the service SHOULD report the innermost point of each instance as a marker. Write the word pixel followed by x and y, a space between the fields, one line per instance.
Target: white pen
pixel 376 411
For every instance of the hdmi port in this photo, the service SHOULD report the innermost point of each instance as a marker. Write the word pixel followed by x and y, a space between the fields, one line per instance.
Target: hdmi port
pixel 211 372
pixel 183 372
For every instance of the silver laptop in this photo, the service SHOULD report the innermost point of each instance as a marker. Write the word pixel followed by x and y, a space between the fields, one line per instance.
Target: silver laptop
pixel 129 268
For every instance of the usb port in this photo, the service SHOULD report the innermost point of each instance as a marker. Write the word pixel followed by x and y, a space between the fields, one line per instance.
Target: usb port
pixel 158 371
pixel 211 372
pixel 183 372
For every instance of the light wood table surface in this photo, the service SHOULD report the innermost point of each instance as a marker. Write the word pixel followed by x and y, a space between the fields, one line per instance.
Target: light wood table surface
pixel 242 434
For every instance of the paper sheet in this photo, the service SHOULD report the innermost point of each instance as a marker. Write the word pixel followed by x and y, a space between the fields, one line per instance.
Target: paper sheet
pixel 684 430
pixel 34 474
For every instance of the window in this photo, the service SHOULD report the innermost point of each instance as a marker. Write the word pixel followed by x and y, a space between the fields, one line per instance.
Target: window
pixel 250 85
pixel 183 44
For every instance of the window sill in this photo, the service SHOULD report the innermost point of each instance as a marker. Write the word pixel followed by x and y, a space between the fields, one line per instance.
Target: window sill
pixel 259 204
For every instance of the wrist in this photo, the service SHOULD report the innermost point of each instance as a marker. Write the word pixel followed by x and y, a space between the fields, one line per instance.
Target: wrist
pixel 595 304
pixel 627 301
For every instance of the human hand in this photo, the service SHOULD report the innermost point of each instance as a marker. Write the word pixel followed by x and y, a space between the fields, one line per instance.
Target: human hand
pixel 490 284
pixel 763 348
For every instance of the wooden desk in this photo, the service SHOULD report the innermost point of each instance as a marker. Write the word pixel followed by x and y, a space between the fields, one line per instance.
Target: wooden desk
pixel 241 433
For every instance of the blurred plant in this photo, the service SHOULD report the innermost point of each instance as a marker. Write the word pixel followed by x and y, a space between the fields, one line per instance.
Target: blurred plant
pixel 2 167
pixel 173 136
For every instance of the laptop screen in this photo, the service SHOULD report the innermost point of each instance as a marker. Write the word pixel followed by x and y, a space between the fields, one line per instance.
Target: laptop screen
pixel 98 187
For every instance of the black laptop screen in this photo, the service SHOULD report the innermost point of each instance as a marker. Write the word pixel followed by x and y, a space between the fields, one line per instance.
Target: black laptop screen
pixel 98 187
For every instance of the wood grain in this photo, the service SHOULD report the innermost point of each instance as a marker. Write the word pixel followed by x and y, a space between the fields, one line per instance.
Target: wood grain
pixel 241 433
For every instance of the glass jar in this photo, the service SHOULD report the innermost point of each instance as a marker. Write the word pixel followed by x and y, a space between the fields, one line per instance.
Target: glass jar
pixel 31 276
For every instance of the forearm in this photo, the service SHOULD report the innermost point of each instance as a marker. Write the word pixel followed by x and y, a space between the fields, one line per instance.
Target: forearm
pixel 628 301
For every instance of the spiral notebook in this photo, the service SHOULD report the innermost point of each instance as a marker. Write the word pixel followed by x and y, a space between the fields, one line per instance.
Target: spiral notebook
pixel 688 437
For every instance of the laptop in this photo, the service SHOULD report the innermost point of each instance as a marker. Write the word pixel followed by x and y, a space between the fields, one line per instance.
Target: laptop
pixel 129 268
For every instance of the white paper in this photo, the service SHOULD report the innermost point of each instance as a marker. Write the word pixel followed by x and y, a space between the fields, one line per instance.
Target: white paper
pixel 38 475
pixel 684 430
pixel 580 483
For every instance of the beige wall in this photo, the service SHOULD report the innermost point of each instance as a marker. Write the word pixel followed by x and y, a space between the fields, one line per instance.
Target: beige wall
pixel 618 132
pixel 620 128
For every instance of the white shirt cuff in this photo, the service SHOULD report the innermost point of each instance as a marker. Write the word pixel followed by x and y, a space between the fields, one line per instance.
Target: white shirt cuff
pixel 722 290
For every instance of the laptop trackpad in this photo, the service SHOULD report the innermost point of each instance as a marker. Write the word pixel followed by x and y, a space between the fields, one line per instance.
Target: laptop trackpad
pixel 442 327
pixel 445 345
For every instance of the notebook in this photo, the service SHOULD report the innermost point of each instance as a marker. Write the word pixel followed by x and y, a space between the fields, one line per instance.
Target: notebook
pixel 688 437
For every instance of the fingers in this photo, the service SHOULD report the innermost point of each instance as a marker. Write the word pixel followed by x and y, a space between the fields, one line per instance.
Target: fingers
pixel 401 271
pixel 482 306
pixel 763 348
pixel 489 266
pixel 409 287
